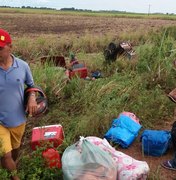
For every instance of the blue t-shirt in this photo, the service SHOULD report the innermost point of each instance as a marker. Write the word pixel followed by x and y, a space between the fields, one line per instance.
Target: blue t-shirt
pixel 12 81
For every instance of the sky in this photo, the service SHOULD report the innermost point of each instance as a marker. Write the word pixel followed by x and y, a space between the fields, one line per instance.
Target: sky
pixel 138 6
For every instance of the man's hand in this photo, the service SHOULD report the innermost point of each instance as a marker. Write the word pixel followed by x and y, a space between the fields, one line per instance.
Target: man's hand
pixel 31 105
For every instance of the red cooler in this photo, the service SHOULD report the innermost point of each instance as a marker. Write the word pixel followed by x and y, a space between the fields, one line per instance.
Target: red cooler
pixel 47 135
pixel 80 72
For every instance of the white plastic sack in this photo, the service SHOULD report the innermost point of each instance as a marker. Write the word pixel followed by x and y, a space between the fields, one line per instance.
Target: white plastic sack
pixel 86 161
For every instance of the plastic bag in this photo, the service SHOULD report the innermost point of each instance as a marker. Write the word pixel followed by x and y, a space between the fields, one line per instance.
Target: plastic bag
pixel 86 161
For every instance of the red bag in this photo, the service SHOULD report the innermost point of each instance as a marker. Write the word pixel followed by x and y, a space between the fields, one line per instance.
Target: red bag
pixel 52 158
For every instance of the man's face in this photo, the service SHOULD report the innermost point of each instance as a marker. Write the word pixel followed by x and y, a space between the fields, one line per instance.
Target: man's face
pixel 5 52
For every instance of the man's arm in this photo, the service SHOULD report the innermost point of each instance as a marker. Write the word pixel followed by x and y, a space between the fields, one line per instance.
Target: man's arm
pixel 32 104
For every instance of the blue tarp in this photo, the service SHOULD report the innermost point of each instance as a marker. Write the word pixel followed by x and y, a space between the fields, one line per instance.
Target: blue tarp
pixel 123 131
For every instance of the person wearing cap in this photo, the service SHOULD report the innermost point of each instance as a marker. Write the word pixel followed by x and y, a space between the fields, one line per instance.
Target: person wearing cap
pixel 14 75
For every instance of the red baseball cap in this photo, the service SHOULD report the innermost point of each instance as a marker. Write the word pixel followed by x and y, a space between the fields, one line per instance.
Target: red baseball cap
pixel 4 38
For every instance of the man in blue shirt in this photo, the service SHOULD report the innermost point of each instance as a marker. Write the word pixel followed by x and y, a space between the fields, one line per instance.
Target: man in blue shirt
pixel 14 74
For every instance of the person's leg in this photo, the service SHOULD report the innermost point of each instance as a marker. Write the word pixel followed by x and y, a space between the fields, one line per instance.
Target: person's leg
pixel 170 164
pixel 173 161
pixel 7 161
pixel 15 153
pixel 16 137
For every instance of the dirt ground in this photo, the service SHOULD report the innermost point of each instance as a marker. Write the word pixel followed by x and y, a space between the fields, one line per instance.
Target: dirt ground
pixel 21 24
pixel 32 25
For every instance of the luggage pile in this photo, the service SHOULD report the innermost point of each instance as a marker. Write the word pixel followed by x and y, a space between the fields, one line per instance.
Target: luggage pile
pixel 93 158
pixel 74 69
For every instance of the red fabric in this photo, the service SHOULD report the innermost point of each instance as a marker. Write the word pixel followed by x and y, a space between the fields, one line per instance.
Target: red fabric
pixel 52 158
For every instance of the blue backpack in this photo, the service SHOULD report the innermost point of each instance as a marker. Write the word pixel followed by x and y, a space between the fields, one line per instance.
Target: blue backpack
pixel 155 142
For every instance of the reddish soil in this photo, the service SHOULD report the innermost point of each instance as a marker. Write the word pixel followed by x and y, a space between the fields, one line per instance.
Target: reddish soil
pixel 33 24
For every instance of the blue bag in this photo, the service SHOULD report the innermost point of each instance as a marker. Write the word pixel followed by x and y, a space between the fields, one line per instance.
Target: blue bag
pixel 155 142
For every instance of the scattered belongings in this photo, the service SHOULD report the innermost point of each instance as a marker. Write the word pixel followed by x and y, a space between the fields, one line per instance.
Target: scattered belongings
pixel 155 142
pixel 172 95
pixel 56 60
pixel 124 129
pixel 113 51
pixel 96 74
pixel 93 158
pixel 75 68
pixel 126 49
pixel 47 135
pixel 86 161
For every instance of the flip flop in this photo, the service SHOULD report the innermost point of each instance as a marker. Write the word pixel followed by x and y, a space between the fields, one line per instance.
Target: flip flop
pixel 168 165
